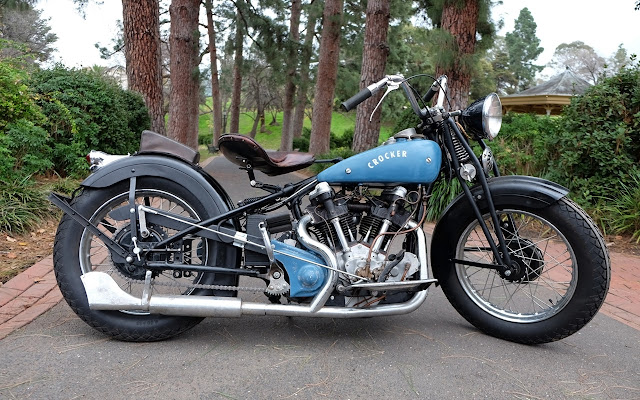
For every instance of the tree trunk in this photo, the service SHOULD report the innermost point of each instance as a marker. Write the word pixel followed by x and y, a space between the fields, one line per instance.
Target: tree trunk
pixel 286 140
pixel 259 108
pixel 327 74
pixel 374 60
pixel 215 83
pixel 301 95
pixel 184 60
pixel 460 21
pixel 141 22
pixel 237 75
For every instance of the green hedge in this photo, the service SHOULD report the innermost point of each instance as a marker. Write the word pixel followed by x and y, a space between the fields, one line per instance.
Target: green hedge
pixel 86 111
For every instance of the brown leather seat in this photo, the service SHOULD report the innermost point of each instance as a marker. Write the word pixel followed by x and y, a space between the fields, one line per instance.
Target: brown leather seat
pixel 242 150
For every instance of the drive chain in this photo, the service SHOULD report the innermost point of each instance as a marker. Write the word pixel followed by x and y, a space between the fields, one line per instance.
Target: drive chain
pixel 193 285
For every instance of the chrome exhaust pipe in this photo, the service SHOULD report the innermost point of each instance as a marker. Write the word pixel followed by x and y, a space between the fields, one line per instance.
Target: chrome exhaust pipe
pixel 103 293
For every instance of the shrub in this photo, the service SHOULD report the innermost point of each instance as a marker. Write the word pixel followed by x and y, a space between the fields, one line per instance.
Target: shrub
pixel 335 142
pixel 15 99
pixel 407 119
pixel 444 192
pixel 623 211
pixel 302 143
pixel 598 139
pixel 22 205
pixel 342 152
pixel 29 147
pixel 205 139
pixel 87 111
pixel 521 148
pixel 346 140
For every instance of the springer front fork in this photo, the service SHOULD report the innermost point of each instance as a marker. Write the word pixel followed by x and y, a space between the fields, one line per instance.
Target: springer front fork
pixel 501 228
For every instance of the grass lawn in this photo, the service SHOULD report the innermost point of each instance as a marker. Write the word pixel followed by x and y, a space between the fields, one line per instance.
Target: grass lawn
pixel 340 122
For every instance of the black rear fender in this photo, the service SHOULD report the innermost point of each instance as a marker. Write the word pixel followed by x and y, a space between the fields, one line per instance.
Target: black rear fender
pixel 190 176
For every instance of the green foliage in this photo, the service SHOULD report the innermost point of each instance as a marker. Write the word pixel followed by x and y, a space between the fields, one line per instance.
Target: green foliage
pixel 335 142
pixel 344 140
pixel 22 205
pixel 444 192
pixel 623 211
pixel 15 99
pixel 86 111
pixel 407 119
pixel 598 139
pixel 29 147
pixel 521 148
pixel 302 143
pixel 49 120
pixel 205 139
pixel 343 152
pixel 523 48
pixel 25 34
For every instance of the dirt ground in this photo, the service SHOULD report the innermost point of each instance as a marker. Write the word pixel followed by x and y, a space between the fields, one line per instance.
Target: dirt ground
pixel 19 252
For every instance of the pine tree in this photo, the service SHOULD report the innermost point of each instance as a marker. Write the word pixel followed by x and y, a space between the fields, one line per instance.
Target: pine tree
pixel 215 82
pixel 374 60
pixel 524 48
pixel 237 71
pixel 185 79
pixel 305 59
pixel 459 20
pixel 141 22
pixel 464 31
pixel 290 87
pixel 327 73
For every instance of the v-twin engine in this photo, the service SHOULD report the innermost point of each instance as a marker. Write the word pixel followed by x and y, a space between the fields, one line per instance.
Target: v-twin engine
pixel 368 232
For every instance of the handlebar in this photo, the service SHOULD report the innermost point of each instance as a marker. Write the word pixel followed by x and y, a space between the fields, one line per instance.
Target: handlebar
pixel 364 94
pixel 433 89
pixel 358 98
pixel 394 82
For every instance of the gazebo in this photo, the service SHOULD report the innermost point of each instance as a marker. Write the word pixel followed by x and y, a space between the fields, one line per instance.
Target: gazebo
pixel 547 98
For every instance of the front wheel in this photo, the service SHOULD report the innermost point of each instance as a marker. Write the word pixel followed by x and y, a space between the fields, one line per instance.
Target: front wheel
pixel 558 281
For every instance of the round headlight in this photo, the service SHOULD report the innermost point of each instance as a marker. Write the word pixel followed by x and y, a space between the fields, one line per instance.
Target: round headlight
pixel 491 115
pixel 483 117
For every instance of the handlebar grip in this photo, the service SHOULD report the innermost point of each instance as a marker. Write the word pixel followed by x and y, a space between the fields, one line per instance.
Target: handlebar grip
pixel 429 95
pixel 433 89
pixel 358 98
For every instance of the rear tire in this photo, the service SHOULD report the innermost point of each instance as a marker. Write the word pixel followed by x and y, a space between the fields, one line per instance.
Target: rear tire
pixel 78 251
pixel 560 283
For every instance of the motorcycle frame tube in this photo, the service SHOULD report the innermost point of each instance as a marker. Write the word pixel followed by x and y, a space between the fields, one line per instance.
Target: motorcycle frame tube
pixel 131 168
pixel 104 294
pixel 232 214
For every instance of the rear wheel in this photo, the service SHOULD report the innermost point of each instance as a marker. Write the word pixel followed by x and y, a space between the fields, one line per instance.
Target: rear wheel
pixel 78 251
pixel 558 280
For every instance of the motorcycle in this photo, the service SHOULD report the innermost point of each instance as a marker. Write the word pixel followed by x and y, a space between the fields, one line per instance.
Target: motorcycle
pixel 150 244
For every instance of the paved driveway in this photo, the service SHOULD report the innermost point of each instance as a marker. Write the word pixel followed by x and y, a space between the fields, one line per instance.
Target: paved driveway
pixel 431 353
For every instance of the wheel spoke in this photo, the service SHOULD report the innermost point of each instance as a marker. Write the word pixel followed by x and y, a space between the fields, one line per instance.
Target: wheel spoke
pixel 96 255
pixel 546 276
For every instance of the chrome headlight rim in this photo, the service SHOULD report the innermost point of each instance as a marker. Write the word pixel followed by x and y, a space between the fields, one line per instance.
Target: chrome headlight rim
pixel 491 116
pixel 483 117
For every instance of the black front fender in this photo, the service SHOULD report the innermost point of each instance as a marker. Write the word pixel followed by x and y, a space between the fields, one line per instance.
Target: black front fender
pixel 190 176
pixel 525 191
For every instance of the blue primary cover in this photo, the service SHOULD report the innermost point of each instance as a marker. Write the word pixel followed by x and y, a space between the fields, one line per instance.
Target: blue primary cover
pixel 409 161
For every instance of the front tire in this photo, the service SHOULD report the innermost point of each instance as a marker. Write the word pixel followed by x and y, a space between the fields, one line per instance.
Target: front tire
pixel 78 251
pixel 559 283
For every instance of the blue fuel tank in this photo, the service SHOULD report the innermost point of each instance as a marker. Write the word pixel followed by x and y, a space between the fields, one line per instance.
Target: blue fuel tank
pixel 405 161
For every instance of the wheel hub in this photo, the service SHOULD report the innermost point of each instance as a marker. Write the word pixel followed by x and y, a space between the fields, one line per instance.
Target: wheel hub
pixel 527 262
pixel 123 238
